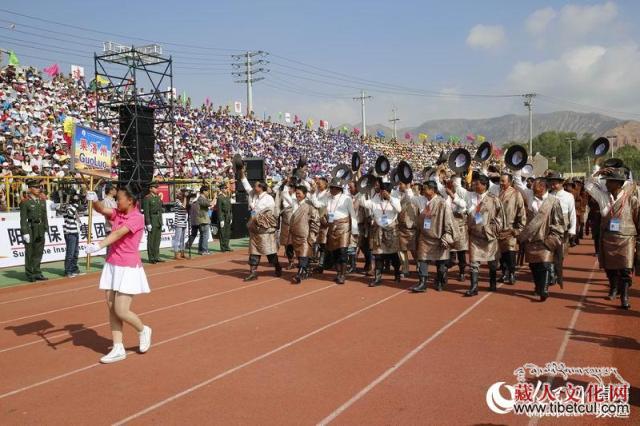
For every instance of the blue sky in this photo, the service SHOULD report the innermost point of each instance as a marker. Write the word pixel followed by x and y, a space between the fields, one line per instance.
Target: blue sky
pixel 583 52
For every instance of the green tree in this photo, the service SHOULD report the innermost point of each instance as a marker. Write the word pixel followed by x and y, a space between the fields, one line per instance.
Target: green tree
pixel 630 155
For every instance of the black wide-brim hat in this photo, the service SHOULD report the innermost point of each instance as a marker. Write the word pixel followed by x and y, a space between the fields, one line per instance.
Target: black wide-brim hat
pixel 553 175
pixel 427 172
pixel 600 147
pixel 366 183
pixel 615 174
pixel 613 162
pixel 516 157
pixel 356 161
pixel 336 182
pixel 404 172
pixel 342 172
pixel 459 160
pixel 237 162
pixel 484 152
pixel 382 166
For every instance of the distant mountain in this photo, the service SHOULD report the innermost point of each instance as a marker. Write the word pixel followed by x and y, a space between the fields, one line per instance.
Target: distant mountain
pixel 512 127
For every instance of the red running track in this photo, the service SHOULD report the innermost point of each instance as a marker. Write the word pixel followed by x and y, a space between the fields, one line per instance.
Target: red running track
pixel 267 352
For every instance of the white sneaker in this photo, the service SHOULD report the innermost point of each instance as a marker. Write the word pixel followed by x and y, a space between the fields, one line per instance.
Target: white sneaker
pixel 145 339
pixel 117 354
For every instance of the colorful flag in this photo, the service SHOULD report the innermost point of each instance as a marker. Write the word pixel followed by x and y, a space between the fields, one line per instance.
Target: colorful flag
pixel 380 134
pixel 52 70
pixel 102 80
pixel 356 131
pixel 471 137
pixel 423 136
pixel 13 59
pixel 77 72
pixel 237 107
pixel 296 119
pixel 440 137
pixel 407 135
pixel 309 123
pixel 207 101
pixel 480 138
pixel 279 116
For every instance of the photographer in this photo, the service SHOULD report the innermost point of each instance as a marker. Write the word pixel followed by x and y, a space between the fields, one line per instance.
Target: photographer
pixel 179 208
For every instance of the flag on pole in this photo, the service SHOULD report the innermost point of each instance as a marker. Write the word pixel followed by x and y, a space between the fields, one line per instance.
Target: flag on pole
pixel 237 107
pixel 309 123
pixel 207 101
pixel 296 119
pixel 287 117
pixel 279 116
pixel 471 137
pixel 480 138
pixel 52 70
pixel 356 131
pixel 184 99
pixel 407 135
pixel 423 136
pixel 102 80
pixel 440 137
pixel 380 134
pixel 13 59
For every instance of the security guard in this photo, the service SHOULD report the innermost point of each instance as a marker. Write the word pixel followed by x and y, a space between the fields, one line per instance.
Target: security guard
pixel 33 226
pixel 223 206
pixel 152 206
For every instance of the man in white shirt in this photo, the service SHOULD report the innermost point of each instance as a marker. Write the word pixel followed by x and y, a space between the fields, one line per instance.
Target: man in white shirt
pixel 384 231
pixel 459 248
pixel 342 223
pixel 262 227
pixel 319 199
pixel 568 204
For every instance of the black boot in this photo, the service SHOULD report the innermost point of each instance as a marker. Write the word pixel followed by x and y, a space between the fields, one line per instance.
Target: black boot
pixel 422 285
pixel 253 275
pixel 278 268
pixel 624 294
pixel 443 278
pixel 377 279
pixel 320 268
pixel 473 291
pixel 492 279
pixel 301 275
pixel 613 290
pixel 544 290
pixel 342 269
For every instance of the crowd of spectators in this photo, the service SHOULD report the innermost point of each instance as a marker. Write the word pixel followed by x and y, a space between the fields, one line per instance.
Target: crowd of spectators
pixel 33 140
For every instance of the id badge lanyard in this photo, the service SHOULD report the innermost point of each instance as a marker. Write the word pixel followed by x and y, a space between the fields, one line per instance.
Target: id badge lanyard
pixel 478 215
pixel 426 225
pixel 614 223
pixel 384 219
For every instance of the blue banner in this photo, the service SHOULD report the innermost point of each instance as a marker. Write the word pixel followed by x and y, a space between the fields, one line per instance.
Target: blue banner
pixel 91 150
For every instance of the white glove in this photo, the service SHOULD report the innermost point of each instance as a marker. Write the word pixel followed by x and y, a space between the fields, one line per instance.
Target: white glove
pixel 92 248
pixel 222 224
pixel 92 196
pixel 149 228
pixel 26 238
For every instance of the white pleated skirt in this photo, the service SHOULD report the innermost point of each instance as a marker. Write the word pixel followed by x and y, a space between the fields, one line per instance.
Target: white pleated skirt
pixel 124 279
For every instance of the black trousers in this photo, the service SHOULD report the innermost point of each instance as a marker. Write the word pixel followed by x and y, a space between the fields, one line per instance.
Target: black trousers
pixel 441 268
pixel 254 259
pixel 392 258
pixel 339 256
pixel 542 274
pixel 460 256
pixel 618 278
pixel 508 262
pixel 288 251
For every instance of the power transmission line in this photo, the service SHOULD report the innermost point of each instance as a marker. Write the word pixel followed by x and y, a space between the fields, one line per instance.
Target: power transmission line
pixel 252 67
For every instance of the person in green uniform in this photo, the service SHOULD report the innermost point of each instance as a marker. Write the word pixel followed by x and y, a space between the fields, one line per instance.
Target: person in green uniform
pixel 152 206
pixel 223 206
pixel 33 227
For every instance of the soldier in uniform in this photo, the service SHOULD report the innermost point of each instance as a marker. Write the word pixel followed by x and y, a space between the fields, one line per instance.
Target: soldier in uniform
pixel 304 224
pixel 485 219
pixel 152 206
pixel 515 220
pixel 620 226
pixel 33 227
pixel 223 205
pixel 435 235
pixel 542 234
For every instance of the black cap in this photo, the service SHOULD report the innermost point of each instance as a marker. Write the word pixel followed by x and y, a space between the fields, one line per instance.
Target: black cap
pixel 33 183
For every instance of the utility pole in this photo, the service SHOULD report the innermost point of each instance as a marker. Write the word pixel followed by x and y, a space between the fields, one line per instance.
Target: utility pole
pixel 529 104
pixel 251 68
pixel 394 120
pixel 570 139
pixel 363 98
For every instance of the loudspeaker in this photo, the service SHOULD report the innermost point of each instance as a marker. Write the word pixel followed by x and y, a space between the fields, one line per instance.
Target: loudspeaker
pixel 240 214
pixel 254 169
pixel 137 144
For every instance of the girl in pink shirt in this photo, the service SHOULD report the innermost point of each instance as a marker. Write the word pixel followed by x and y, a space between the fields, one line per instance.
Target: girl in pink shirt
pixel 122 276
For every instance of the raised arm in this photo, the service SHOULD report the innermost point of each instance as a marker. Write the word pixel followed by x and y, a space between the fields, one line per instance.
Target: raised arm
pixel 98 206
